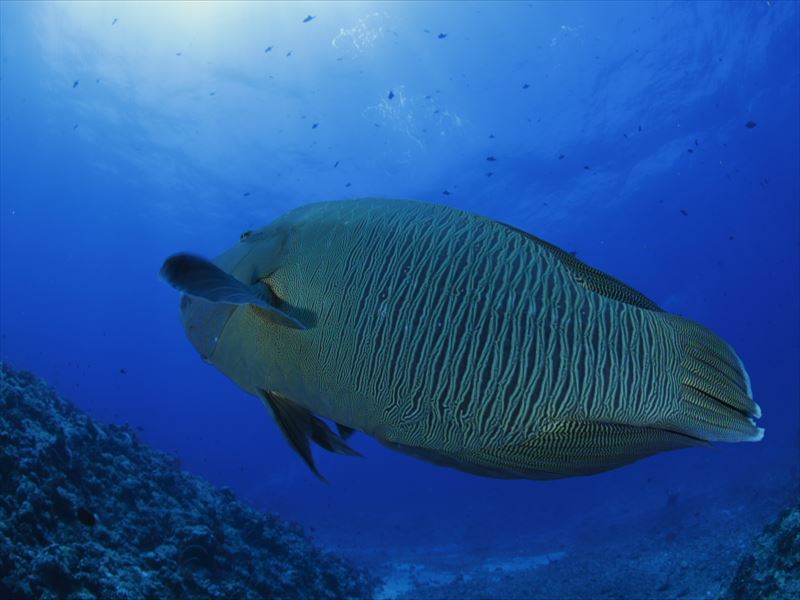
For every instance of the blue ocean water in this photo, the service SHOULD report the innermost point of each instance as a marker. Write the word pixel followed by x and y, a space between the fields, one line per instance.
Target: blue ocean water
pixel 660 142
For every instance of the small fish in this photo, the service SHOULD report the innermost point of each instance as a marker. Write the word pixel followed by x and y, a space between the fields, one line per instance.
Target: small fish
pixel 75 84
pixel 139 428
pixel 309 18
pixel 445 193
pixel 573 252
pixel 86 517
pixel 123 372
pixel 315 125
pixel 246 194
pixel 586 167
pixel 391 94
pixel 212 93
pixel 491 159
pixel 336 164
pixel 561 157
pixel 696 143
pixel 114 22
pixel 441 36
pixel 640 128
pixel 526 86
pixel 347 184
pixel 75 126
pixel 489 173
pixel 179 54
pixel 491 136
pixel 684 213
pixel 288 54
pixel 690 151
pixel 267 49
pixel 750 124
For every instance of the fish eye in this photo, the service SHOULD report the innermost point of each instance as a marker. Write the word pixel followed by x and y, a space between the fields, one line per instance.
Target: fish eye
pixel 245 235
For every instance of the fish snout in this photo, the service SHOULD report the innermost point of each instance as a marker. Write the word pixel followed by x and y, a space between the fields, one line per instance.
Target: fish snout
pixel 204 322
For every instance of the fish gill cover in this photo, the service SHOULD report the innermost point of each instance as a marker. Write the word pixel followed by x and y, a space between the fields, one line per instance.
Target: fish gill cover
pixel 655 142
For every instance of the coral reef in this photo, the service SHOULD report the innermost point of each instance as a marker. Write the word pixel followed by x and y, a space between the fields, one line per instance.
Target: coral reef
pixel 772 568
pixel 86 511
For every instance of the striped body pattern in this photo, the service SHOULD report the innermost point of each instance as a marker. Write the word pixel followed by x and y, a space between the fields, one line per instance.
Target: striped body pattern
pixel 472 344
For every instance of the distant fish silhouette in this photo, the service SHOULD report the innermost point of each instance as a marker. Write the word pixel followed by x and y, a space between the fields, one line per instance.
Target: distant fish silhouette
pixel 267 49
pixel 391 94
pixel 441 36
pixel 309 18
pixel 750 124
pixel 75 84
pixel 684 212
pixel 315 125
pixel 114 22
pixel 491 159
pixel 86 517
pixel 526 86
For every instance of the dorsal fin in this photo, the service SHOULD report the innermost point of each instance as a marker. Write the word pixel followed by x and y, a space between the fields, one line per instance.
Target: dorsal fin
pixel 593 279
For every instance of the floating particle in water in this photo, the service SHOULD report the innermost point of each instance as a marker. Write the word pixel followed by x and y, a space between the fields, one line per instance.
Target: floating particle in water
pixel 75 84
pixel 315 125
pixel 336 164
pixel 489 173
pixel 309 18
pixel 684 212
pixel 86 517
pixel 640 128
pixel 212 93
pixel 696 143
pixel 573 252
pixel 749 124
pixel 491 158
pixel 347 184
pixel 246 194
pixel 123 372
pixel 586 167
pixel 288 54
pixel 525 86
pixel 730 238
pixel 441 36
pixel 391 94
pixel 690 151
pixel 179 54
pixel 114 22
pixel 268 49
pixel 561 157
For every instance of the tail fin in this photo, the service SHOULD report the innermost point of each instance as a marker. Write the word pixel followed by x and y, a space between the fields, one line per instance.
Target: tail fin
pixel 715 388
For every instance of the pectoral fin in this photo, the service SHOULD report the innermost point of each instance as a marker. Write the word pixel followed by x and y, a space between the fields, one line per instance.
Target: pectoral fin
pixel 199 277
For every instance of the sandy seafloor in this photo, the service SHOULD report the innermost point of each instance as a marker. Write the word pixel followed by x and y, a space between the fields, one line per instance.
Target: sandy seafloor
pixel 691 546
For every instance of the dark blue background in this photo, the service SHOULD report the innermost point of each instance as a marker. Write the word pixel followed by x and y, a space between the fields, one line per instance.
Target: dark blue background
pixel 182 132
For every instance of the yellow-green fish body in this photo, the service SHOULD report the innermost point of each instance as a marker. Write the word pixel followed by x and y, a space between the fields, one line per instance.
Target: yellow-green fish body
pixel 459 340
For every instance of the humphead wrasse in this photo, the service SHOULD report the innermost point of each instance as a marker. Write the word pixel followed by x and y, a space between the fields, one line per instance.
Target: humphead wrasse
pixel 458 340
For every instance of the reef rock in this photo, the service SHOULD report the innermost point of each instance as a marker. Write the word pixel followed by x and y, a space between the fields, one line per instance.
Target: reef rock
pixel 86 511
pixel 772 567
